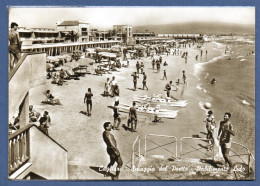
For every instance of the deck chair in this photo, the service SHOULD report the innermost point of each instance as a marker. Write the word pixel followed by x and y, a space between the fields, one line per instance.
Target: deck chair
pixel 70 76
pixel 51 101
pixel 98 72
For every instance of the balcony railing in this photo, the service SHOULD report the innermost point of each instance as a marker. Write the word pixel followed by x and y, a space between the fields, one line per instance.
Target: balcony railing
pixel 19 149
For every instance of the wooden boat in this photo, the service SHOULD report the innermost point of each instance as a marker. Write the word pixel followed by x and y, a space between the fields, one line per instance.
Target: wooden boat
pixel 161 101
pixel 145 109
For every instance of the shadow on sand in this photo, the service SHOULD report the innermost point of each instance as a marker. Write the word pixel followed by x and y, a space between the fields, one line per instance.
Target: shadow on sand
pixel 131 89
pixel 127 128
pixel 84 112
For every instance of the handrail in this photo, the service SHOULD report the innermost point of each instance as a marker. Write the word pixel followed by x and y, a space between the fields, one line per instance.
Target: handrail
pixel 249 154
pixel 11 136
pixel 17 66
pixel 194 139
pixel 158 135
pixel 133 151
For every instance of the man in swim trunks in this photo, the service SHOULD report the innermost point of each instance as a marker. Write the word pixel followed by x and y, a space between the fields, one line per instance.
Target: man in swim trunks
pixel 112 150
pixel 116 116
pixel 144 81
pixel 168 88
pixel 88 101
pixel 14 45
pixel 133 117
pixel 137 67
pixel 224 135
pixel 164 75
pixel 135 76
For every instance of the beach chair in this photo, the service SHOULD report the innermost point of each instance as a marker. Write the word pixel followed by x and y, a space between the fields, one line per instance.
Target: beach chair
pixel 98 72
pixel 50 101
pixel 80 71
pixel 71 76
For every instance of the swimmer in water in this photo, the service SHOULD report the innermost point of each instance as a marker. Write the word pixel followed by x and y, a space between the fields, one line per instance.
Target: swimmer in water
pixel 213 81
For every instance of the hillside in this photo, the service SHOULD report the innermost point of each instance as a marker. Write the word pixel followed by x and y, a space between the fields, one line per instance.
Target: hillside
pixel 197 27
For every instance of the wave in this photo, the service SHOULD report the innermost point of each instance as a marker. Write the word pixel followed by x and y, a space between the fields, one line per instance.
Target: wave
pixel 200 88
pixel 242 59
pixel 198 68
pixel 239 56
pixel 242 39
pixel 245 102
pixel 218 44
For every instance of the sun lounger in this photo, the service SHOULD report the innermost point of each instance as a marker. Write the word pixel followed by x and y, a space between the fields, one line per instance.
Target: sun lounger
pixel 71 76
pixel 51 101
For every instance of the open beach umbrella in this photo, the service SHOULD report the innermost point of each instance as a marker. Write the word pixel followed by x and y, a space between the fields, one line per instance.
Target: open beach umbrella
pixel 85 61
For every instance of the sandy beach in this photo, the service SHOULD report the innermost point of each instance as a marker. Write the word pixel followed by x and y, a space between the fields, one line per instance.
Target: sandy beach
pixel 81 135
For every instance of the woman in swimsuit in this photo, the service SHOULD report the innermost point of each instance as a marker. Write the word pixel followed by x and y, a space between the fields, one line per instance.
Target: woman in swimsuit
pixel 210 126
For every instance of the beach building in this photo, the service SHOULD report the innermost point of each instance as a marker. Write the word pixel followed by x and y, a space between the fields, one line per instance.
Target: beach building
pixel 39 35
pixel 100 35
pixel 182 36
pixel 78 30
pixel 123 33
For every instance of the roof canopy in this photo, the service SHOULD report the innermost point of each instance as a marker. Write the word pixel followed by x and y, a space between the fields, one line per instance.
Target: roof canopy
pixel 70 23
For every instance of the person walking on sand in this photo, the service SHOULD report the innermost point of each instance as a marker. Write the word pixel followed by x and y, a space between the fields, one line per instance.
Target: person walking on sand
pixel 224 136
pixel 158 66
pixel 153 63
pixel 201 52
pixel 210 126
pixel 106 91
pixel 112 150
pixel 164 75
pixel 168 88
pixel 116 116
pixel 142 67
pixel 137 67
pixel 88 101
pixel 184 77
pixel 144 81
pixel 113 82
pixel 133 117
pixel 135 76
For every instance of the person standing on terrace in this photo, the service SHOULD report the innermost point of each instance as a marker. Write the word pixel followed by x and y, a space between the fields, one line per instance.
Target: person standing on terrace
pixel 14 46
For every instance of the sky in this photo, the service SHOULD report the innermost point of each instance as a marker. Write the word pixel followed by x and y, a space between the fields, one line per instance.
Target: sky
pixel 105 17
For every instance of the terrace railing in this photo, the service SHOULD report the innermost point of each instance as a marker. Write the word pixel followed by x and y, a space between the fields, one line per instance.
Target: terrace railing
pixel 19 149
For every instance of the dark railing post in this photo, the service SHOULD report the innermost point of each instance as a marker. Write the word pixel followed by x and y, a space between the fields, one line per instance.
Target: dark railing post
pixel 27 144
pixel 20 147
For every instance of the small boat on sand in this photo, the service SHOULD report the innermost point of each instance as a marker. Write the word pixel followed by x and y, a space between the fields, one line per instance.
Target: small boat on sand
pixel 146 109
pixel 161 101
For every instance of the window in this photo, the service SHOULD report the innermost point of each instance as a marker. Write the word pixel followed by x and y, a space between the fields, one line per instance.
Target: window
pixel 84 31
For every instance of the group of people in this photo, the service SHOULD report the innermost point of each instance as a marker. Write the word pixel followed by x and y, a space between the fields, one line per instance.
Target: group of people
pixel 111 87
pixel 225 133
pixel 44 121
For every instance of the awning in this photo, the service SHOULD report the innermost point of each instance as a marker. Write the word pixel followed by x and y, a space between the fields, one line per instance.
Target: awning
pixel 107 54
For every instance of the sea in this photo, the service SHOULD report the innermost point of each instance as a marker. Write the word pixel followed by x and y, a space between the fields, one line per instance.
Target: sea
pixel 231 61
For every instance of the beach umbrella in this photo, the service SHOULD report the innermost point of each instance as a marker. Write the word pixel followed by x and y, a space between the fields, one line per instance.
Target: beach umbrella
pixel 52 59
pixel 85 61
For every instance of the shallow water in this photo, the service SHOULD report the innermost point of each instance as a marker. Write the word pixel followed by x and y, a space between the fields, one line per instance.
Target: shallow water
pixel 234 91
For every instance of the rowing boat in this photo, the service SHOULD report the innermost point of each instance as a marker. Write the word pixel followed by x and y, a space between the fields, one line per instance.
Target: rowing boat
pixel 147 110
pixel 161 101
